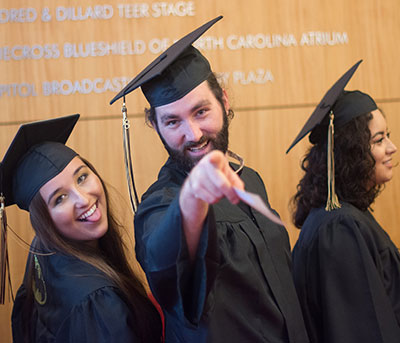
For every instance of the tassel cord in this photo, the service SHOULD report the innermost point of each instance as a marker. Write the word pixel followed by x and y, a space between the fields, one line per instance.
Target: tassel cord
pixel 332 202
pixel 134 199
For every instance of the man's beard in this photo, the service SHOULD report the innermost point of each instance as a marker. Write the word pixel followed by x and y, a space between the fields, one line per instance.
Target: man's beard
pixel 219 142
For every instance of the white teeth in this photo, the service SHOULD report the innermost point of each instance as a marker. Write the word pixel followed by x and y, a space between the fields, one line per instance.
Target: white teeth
pixel 199 147
pixel 88 213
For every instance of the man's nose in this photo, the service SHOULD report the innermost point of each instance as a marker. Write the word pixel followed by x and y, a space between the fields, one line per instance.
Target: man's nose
pixel 192 131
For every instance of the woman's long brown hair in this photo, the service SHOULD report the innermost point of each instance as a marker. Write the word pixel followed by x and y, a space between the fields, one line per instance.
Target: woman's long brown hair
pixel 110 258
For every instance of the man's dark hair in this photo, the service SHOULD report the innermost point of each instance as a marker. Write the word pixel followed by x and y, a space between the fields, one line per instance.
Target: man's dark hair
pixel 216 89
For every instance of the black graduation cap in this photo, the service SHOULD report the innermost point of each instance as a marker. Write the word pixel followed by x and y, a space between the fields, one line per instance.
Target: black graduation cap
pixel 344 105
pixel 36 155
pixel 174 73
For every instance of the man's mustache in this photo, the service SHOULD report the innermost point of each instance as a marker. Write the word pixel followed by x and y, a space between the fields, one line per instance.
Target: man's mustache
pixel 192 144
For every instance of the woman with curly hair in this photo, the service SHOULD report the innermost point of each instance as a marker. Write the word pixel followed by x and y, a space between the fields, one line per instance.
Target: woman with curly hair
pixel 78 284
pixel 346 268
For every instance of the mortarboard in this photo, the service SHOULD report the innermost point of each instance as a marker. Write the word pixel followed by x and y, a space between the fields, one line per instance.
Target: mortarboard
pixel 349 105
pixel 174 73
pixel 336 108
pixel 36 154
pixel 325 106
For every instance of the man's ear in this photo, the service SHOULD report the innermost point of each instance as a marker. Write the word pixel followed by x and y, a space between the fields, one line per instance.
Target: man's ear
pixel 154 122
pixel 225 100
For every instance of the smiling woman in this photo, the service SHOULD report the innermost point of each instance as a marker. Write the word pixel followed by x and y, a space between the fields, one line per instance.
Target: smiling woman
pixel 382 148
pixel 78 285
pixel 76 202
pixel 345 266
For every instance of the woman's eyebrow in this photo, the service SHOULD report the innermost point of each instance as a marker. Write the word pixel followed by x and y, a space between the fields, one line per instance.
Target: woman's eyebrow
pixel 58 189
pixel 378 133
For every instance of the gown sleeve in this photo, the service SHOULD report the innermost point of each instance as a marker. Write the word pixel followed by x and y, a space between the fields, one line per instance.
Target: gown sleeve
pixel 354 302
pixel 16 317
pixel 102 317
pixel 178 284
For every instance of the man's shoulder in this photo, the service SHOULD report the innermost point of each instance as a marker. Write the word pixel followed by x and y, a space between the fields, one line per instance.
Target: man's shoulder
pixel 250 171
pixel 252 179
pixel 170 176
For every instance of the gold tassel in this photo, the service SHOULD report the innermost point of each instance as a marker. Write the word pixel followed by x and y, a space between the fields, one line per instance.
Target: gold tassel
pixel 133 196
pixel 332 202
pixel 4 265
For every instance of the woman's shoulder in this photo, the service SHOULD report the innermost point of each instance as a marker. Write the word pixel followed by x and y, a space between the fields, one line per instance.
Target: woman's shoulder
pixel 100 316
pixel 69 278
pixel 345 212
pixel 73 300
pixel 340 221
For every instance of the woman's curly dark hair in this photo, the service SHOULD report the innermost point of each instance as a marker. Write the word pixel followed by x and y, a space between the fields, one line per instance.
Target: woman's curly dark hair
pixel 354 171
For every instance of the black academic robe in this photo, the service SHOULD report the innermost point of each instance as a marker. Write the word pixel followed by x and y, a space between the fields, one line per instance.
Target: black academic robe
pixel 75 303
pixel 347 274
pixel 238 289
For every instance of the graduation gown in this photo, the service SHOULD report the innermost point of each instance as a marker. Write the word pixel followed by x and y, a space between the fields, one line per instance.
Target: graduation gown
pixel 75 302
pixel 238 289
pixel 347 274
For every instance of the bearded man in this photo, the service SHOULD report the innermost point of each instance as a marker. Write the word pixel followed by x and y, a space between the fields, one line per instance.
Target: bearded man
pixel 219 269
